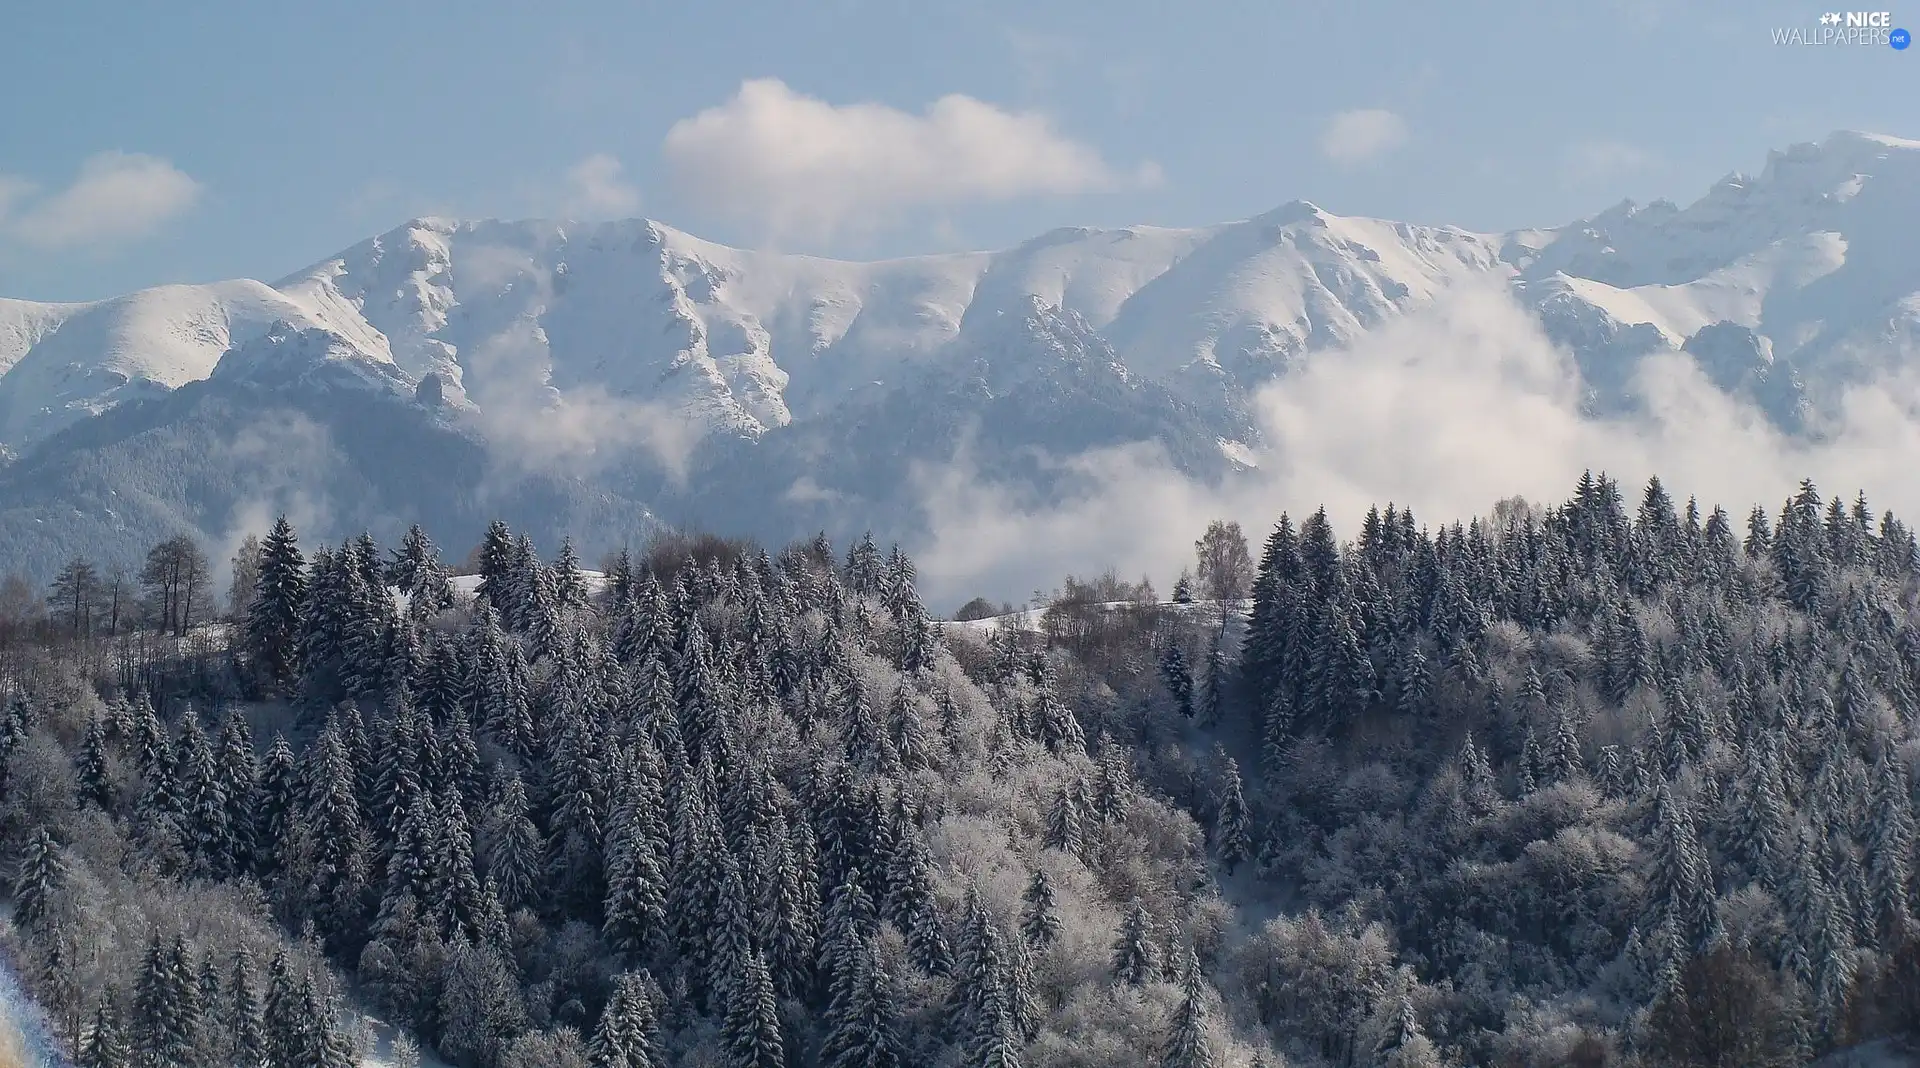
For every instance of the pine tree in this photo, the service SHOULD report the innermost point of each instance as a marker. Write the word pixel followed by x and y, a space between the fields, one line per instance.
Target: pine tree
pixel 275 613
pixel 1186 1044
pixel 244 1024
pixel 333 841
pixel 909 731
pixel 1023 991
pixel 1066 816
pixel 1136 960
pixel 274 808
pixel 1059 728
pixel 1680 889
pixel 93 778
pixel 1890 847
pixel 626 1036
pixel 238 770
pixel 280 1018
pixel 204 797
pixel 105 1046
pixel 514 862
pixel 850 921
pixel 1178 679
pixel 165 1006
pixel 1040 920
pixel 457 885
pixel 751 1031
pixel 59 992
pixel 636 905
pixel 497 573
pixel 39 881
pixel 213 1039
pixel 910 903
pixel 860 1023
pixel 982 1012
pixel 1230 837
pixel 1213 687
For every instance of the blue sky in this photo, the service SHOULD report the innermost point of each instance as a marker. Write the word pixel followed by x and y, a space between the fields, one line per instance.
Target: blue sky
pixel 150 143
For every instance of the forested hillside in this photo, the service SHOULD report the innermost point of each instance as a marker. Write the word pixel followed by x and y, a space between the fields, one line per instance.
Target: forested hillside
pixel 1607 783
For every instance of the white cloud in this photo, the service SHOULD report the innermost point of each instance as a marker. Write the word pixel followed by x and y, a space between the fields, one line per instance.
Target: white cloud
pixel 1361 135
pixel 803 167
pixel 1448 411
pixel 597 190
pixel 12 189
pixel 117 196
pixel 1601 159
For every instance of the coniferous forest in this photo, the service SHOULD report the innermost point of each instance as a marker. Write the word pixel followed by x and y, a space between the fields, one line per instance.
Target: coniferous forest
pixel 1616 782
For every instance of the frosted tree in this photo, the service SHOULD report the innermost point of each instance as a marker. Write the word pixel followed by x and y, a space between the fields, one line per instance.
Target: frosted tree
pixel 1136 959
pixel 860 1021
pixel 274 613
pixel 1178 679
pixel 1040 919
pixel 627 1034
pixel 93 776
pixel 636 907
pixel 1186 1043
pixel 40 879
pixel 1890 850
pixel 1231 841
pixel 750 1032
pixel 242 1017
pixel 105 1046
pixel 514 861
pixel 1066 816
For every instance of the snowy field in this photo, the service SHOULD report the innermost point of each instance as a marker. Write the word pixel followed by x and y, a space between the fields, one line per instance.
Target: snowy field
pixel 1030 619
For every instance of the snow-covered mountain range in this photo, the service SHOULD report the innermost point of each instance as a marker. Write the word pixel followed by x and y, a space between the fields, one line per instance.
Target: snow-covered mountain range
pixel 629 370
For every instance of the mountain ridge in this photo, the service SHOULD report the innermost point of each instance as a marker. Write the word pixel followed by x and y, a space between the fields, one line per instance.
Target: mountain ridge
pixel 638 362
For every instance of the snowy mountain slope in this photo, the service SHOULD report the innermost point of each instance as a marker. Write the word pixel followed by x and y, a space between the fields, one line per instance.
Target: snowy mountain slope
pixel 63 362
pixel 1815 254
pixel 747 341
pixel 777 394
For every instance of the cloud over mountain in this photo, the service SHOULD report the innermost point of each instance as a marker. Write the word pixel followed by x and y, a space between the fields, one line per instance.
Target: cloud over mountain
pixel 117 196
pixel 798 166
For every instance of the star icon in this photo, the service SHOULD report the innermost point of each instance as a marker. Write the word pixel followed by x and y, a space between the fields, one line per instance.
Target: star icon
pixel 1829 19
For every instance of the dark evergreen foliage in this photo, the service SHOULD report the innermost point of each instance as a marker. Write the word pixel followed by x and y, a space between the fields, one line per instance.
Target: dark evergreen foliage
pixel 1603 768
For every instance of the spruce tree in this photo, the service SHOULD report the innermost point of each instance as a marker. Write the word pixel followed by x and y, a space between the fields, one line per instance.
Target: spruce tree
pixel 1231 841
pixel 497 573
pixel 93 777
pixel 1178 679
pixel 626 1036
pixel 39 880
pixel 1136 960
pixel 515 859
pixel 860 1022
pixel 1066 816
pixel 274 808
pixel 244 1024
pixel 750 1033
pixel 1040 920
pixel 105 1045
pixel 275 614
pixel 1186 1044
pixel 1213 686
pixel 636 906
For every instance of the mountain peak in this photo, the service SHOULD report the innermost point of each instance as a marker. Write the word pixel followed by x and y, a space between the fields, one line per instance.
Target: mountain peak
pixel 1296 211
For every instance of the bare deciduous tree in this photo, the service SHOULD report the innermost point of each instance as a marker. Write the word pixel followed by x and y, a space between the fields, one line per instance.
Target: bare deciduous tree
pixel 1226 566
pixel 176 583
